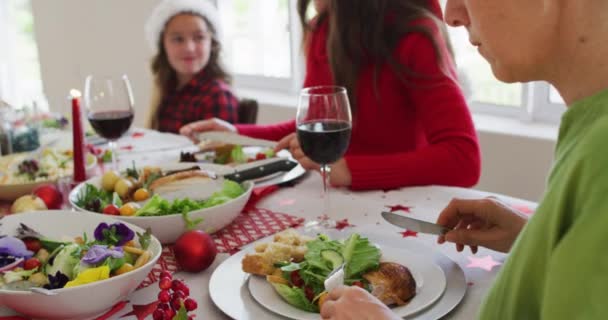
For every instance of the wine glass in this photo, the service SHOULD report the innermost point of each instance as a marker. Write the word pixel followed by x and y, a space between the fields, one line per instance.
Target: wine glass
pixel 323 126
pixel 109 107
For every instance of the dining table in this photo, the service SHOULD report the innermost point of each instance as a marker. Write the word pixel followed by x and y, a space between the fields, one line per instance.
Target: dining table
pixel 302 201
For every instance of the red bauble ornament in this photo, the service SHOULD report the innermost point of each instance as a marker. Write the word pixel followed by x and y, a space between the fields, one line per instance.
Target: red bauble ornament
pixel 195 251
pixel 50 195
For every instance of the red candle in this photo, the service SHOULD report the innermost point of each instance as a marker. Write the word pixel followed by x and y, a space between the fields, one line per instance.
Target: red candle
pixel 78 138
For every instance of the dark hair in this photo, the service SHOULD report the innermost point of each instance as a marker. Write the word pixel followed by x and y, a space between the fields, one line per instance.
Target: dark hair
pixel 165 77
pixel 367 31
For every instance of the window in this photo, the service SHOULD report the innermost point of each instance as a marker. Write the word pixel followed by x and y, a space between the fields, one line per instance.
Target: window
pixel 536 101
pixel 20 82
pixel 261 42
pixel 263 50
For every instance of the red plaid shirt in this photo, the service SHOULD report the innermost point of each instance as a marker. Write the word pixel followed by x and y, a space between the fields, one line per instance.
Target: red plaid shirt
pixel 200 99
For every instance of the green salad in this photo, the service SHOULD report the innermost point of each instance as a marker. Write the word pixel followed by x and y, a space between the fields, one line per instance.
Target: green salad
pixel 305 280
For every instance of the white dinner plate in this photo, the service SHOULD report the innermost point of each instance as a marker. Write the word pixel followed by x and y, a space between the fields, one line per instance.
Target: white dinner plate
pixel 430 284
pixel 228 286
pixel 271 179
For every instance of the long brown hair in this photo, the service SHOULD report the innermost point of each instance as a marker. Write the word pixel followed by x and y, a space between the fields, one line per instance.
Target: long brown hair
pixel 165 77
pixel 367 31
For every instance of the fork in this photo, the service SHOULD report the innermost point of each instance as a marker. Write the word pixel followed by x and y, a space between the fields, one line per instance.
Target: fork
pixel 335 278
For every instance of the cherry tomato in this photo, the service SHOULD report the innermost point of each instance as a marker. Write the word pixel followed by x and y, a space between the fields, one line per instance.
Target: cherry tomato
pixel 358 284
pixel 310 294
pixel 296 279
pixel 260 156
pixel 31 263
pixel 112 210
pixel 32 244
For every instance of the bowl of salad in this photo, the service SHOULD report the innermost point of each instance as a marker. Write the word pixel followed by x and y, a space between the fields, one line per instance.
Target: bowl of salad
pixel 169 199
pixel 66 265
pixel 21 173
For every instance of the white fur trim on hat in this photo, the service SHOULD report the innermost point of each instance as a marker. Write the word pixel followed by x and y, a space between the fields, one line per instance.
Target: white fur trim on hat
pixel 165 10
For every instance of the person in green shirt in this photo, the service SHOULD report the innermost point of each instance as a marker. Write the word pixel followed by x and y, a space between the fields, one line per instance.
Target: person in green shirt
pixel 558 266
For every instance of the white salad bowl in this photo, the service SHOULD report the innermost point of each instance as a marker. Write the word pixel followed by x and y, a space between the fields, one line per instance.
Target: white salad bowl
pixel 12 191
pixel 80 302
pixel 168 228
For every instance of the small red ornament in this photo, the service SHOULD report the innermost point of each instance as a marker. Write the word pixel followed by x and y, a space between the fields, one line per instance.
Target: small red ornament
pixel 50 195
pixel 194 251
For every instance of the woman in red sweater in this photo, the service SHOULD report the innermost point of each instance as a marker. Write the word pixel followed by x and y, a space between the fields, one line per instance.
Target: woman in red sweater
pixel 411 124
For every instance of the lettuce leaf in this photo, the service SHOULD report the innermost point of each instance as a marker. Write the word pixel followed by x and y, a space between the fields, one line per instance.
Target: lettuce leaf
pixel 360 256
pixel 295 297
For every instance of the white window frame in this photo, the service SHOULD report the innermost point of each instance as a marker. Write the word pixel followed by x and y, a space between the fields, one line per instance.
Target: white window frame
pixel 282 84
pixel 535 105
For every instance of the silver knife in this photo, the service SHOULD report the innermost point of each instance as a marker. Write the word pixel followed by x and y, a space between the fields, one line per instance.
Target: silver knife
pixel 414 224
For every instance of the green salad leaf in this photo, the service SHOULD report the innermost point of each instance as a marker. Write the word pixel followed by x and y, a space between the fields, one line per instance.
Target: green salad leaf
pixel 360 256
pixel 145 238
pixel 238 155
pixel 295 297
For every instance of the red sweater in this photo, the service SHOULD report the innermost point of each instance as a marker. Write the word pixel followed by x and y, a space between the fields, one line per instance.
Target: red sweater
pixel 420 133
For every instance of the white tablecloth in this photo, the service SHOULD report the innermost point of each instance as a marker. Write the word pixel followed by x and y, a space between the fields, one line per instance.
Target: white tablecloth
pixel 363 210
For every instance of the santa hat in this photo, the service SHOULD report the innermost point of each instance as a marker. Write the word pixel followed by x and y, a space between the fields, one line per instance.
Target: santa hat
pixel 167 9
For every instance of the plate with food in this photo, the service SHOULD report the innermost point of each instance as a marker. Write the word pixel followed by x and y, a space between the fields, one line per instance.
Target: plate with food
pixel 294 286
pixel 23 172
pixel 434 284
pixel 58 267
pixel 168 199
pixel 223 151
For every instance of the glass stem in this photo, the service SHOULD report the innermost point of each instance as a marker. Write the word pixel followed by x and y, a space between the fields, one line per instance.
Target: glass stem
pixel 325 171
pixel 114 151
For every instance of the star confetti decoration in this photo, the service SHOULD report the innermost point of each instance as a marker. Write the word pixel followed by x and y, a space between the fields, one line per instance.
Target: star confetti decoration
pixel 400 208
pixel 127 148
pixel 287 202
pixel 408 233
pixel 486 263
pixel 141 311
pixel 341 224
pixel 136 135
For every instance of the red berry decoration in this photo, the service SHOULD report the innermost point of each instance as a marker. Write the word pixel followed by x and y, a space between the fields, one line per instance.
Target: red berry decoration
pixel 173 296
pixel 169 313
pixel 179 294
pixel 164 283
pixel 164 296
pixel 176 303
pixel 159 314
pixel 190 304
pixel 166 274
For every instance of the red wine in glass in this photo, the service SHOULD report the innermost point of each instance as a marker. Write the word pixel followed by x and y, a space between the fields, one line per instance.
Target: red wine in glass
pixel 111 124
pixel 324 141
pixel 109 104
pixel 323 125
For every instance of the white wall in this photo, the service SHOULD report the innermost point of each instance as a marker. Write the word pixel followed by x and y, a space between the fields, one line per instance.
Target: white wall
pixel 78 37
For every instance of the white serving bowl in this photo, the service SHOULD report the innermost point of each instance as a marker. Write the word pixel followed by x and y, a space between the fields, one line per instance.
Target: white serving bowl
pixel 12 191
pixel 80 302
pixel 168 228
